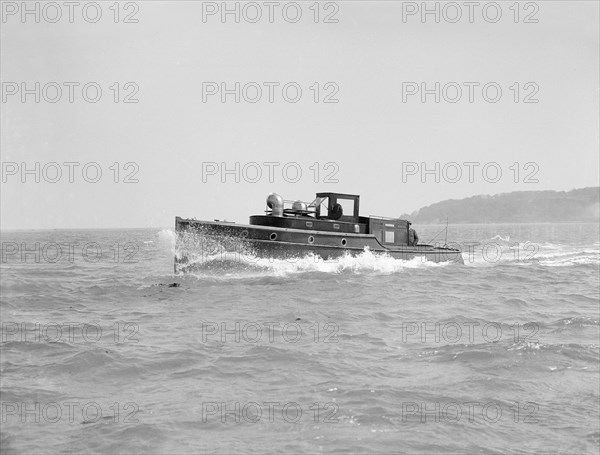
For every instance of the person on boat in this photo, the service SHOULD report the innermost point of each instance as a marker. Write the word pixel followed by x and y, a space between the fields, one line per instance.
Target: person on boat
pixel 413 237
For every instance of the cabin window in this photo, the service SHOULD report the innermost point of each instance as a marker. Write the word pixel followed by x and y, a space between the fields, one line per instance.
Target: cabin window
pixel 309 224
pixel 273 236
pixel 389 225
pixel 344 242
pixel 336 226
pixel 347 206
pixel 322 206
pixel 245 233
pixel 311 239
pixel 389 236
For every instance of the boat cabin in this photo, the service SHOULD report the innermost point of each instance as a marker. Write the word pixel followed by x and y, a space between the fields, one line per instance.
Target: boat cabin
pixel 389 231
pixel 332 212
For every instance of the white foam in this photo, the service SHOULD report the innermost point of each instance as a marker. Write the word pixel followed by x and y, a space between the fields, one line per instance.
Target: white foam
pixel 229 263
pixel 571 261
pixel 366 262
pixel 167 239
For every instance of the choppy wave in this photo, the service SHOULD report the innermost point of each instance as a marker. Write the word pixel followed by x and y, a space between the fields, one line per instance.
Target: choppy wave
pixel 528 253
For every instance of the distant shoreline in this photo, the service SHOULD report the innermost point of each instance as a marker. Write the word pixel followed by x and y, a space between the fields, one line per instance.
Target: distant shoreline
pixel 518 207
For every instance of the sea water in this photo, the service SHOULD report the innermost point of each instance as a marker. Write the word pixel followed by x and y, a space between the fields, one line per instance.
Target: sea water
pixel 105 349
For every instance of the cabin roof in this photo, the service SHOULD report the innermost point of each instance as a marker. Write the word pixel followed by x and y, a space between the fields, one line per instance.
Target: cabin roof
pixel 341 195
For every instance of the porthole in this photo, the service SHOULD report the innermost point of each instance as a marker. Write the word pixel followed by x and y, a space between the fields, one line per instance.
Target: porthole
pixel 244 233
pixel 273 236
pixel 311 239
pixel 344 242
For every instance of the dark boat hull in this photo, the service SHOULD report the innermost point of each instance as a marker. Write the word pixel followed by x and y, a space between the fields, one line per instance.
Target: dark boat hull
pixel 284 243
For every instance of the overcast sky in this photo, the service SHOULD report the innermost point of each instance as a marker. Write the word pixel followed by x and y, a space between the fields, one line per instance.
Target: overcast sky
pixel 372 60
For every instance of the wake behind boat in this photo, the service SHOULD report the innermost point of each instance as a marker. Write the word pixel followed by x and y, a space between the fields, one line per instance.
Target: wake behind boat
pixel 329 227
